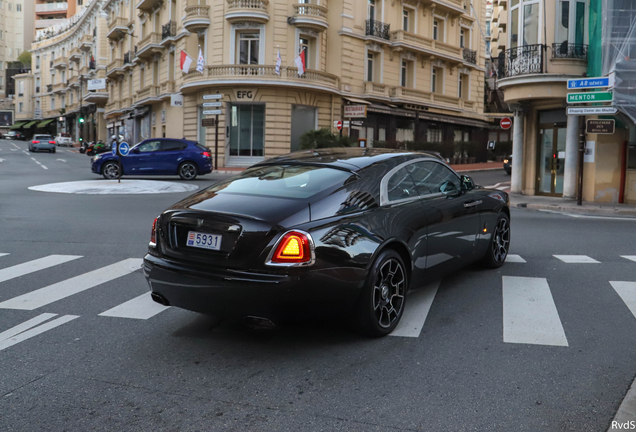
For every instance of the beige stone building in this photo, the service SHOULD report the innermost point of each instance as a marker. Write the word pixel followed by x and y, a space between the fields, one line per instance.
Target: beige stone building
pixel 16 33
pixel 417 67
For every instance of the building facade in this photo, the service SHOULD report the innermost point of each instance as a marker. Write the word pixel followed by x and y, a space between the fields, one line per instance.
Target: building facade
pixel 16 34
pixel 52 13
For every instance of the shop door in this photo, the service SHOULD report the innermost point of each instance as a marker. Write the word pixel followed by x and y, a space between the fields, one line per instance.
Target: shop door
pixel 551 159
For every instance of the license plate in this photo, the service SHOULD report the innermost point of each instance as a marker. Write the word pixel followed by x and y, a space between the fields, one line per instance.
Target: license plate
pixel 204 241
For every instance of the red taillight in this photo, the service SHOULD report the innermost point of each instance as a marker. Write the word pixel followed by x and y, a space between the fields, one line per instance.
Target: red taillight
pixel 206 154
pixel 36 142
pixel 51 142
pixel 293 248
pixel 153 234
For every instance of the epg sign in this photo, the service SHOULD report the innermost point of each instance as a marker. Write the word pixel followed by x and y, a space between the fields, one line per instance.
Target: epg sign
pixel 245 94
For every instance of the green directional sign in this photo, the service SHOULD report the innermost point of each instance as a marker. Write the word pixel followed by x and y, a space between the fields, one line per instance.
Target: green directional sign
pixel 589 97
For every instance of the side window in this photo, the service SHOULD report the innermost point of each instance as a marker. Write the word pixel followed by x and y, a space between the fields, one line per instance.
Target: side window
pixel 150 146
pixel 170 145
pixel 433 177
pixel 401 186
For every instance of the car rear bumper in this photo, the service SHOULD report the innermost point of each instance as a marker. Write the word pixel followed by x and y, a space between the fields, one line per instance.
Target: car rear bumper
pixel 41 146
pixel 227 293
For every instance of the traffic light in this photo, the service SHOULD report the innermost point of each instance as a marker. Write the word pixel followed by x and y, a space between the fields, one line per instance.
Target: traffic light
pixel 81 119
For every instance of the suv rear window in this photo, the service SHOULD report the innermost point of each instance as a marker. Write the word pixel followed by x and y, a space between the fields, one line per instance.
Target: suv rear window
pixel 285 181
pixel 42 137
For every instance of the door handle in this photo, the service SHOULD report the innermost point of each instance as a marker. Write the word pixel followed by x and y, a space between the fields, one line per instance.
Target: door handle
pixel 472 203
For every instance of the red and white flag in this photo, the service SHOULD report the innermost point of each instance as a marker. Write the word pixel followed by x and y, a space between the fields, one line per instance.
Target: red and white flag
pixel 186 61
pixel 300 62
pixel 200 61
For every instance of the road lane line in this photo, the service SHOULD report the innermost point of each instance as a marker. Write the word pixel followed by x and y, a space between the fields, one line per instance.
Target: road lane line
pixel 529 313
pixel 512 258
pixel 3 254
pixel 25 326
pixel 627 291
pixel 415 311
pixel 43 167
pixel 36 331
pixel 576 259
pixel 629 257
pixel 35 265
pixel 69 287
pixel 13 144
pixel 142 307
pixel 63 160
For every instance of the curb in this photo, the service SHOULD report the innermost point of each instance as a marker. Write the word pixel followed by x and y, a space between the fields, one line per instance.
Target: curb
pixel 626 414
pixel 598 211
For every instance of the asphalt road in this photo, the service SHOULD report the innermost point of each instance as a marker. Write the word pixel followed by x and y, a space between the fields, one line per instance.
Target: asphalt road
pixel 78 370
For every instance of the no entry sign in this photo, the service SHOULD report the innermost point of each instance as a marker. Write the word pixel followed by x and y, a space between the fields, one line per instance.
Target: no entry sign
pixel 505 123
pixel 338 124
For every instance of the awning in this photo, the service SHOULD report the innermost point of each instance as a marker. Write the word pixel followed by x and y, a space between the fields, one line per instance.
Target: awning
pixel 44 123
pixel 28 125
pixel 17 125
pixel 356 100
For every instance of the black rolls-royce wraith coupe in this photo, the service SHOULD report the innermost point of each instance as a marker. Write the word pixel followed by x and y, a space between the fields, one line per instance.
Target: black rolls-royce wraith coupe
pixel 351 229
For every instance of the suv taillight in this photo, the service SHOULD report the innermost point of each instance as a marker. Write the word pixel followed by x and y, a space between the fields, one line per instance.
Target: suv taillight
pixel 295 247
pixel 36 142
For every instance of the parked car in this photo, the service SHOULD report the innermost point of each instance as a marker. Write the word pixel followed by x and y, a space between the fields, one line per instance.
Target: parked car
pixel 351 229
pixel 13 135
pixel 508 164
pixel 42 142
pixel 64 139
pixel 157 156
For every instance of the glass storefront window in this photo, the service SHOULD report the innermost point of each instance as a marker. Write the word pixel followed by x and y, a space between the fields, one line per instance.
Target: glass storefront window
pixel 247 130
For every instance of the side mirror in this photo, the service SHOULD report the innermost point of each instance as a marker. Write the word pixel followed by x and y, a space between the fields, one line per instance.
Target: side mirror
pixel 135 150
pixel 467 183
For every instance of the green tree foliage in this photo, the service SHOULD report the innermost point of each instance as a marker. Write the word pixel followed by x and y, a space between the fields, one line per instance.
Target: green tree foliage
pixel 322 138
pixel 25 58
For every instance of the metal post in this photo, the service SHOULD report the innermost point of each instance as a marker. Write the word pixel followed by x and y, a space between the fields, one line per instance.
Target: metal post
pixel 118 158
pixel 582 140
pixel 216 143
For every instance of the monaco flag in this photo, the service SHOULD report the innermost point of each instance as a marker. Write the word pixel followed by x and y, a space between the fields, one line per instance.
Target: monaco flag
pixel 300 63
pixel 186 61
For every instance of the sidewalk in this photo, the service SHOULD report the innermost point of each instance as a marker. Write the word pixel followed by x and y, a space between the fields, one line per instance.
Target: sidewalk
pixel 567 205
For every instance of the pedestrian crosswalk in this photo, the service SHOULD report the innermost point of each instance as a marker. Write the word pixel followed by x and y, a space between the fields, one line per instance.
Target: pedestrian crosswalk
pixel 529 313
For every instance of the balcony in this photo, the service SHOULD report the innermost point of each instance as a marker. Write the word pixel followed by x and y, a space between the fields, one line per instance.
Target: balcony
pixel 197 18
pixel 128 60
pixel 414 42
pixel 150 91
pixel 51 7
pixel 168 31
pixel 376 89
pixel 167 87
pixel 76 55
pixel 73 81
pixel 114 68
pixel 524 60
pixel 377 29
pixel 117 28
pixel 310 16
pixel 59 87
pixel 244 74
pixel 60 63
pixel 149 45
pixel 86 42
pixel 569 51
pixel 247 10
pixel 49 88
pixel 469 56
pixel 72 107
pixel 455 7
pixel 44 23
pixel 97 97
pixel 113 106
pixel 148 5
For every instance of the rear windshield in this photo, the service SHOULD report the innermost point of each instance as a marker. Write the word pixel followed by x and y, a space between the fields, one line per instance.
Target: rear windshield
pixel 65 135
pixel 286 181
pixel 43 137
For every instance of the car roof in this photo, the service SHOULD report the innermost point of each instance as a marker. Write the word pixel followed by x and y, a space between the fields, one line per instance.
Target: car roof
pixel 350 158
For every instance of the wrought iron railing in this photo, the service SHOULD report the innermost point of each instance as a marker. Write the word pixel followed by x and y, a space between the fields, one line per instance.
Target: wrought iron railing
pixel 49 88
pixel 524 60
pixel 378 29
pixel 168 30
pixel 570 51
pixel 469 55
pixel 91 64
pixel 127 57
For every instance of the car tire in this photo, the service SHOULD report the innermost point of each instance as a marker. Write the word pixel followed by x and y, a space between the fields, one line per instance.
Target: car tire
pixel 110 170
pixel 187 171
pixel 499 244
pixel 383 296
pixel 53 151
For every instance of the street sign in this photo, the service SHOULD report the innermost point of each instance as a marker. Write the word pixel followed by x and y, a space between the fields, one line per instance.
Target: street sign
pixel 355 111
pixel 600 126
pixel 213 96
pixel 124 148
pixel 589 97
pixel 338 124
pixel 208 122
pixel 505 123
pixel 114 148
pixel 212 104
pixel 587 83
pixel 212 112
pixel 592 110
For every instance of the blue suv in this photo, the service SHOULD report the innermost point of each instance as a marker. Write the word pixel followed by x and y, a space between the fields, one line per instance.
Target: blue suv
pixel 157 156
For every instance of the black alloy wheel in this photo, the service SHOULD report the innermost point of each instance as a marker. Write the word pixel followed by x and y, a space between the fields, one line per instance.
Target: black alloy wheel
pixel 499 243
pixel 187 171
pixel 383 295
pixel 110 170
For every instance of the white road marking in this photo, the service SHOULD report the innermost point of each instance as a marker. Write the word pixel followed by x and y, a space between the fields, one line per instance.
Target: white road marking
pixel 35 265
pixel 576 259
pixel 582 216
pixel 25 152
pixel 68 287
pixel 629 257
pixel 627 291
pixel 13 144
pixel 36 331
pixel 142 307
pixel 3 254
pixel 529 313
pixel 512 258
pixel 1 160
pixel 63 160
pixel 25 326
pixel 13 149
pixel 415 311
pixel 115 187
